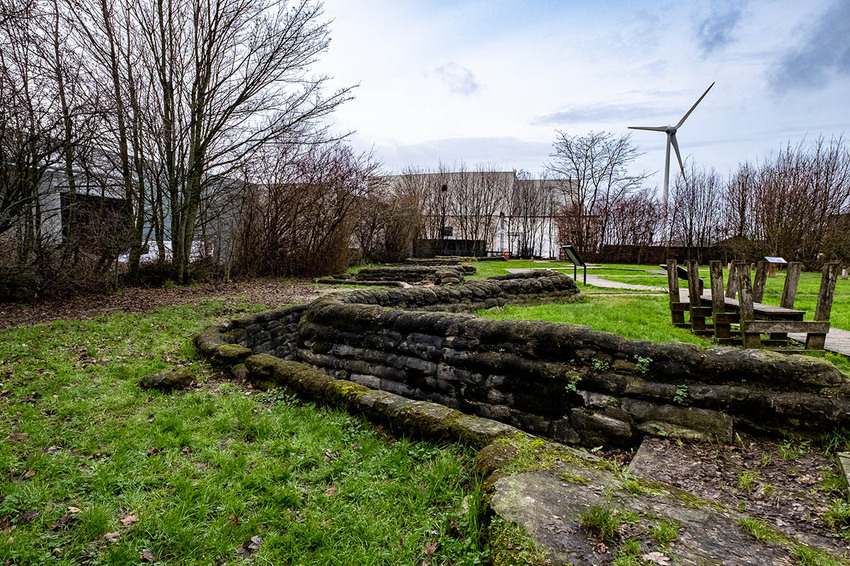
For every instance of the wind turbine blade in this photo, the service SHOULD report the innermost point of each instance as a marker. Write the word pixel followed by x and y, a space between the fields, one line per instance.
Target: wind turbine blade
pixel 650 128
pixel 685 117
pixel 678 155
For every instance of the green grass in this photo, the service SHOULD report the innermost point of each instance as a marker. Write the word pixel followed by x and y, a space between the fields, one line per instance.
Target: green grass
pixel 761 531
pixel 636 318
pixel 94 470
pixel 664 532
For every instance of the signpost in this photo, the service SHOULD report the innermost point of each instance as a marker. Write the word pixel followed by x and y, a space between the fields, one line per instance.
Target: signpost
pixel 774 263
pixel 576 260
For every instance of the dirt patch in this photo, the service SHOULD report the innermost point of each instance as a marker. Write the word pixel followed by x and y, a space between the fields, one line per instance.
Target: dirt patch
pixel 268 292
pixel 788 484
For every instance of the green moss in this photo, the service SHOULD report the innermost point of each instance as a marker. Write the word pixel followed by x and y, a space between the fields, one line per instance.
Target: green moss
pixel 511 546
pixel 573 478
pixel 321 347
pixel 231 353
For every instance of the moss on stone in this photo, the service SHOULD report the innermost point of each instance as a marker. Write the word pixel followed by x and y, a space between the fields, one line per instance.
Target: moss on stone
pixel 207 341
pixel 430 420
pixel 231 354
pixel 573 478
pixel 321 347
pixel 511 546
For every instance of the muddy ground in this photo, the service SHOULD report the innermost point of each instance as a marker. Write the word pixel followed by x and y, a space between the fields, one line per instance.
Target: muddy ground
pixel 270 292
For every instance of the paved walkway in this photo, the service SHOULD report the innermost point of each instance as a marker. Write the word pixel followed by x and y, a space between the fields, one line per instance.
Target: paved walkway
pixel 595 280
pixel 837 340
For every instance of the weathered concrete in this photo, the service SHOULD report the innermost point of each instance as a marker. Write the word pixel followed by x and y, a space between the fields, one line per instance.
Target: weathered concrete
pixel 550 505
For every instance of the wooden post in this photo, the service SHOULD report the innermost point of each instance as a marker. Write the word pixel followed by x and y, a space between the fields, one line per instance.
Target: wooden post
pixel 829 274
pixel 697 319
pixel 732 282
pixel 722 329
pixel 792 278
pixel 745 302
pixel 677 314
pixel 772 272
pixel 759 281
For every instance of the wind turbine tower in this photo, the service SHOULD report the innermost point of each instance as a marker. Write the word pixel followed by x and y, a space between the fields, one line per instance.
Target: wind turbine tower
pixel 671 140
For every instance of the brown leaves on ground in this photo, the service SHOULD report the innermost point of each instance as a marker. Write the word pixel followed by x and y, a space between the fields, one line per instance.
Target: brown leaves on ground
pixel 331 490
pixel 147 556
pixel 129 519
pixel 268 292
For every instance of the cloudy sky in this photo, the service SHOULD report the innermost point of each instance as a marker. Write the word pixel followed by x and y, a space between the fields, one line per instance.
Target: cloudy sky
pixel 490 81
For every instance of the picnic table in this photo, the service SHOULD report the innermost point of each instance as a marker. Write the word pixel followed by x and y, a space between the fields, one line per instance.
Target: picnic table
pixel 752 317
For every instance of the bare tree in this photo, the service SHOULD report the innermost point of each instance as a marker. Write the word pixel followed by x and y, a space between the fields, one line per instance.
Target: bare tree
pixel 302 218
pixel 796 197
pixel 594 177
pixel 695 210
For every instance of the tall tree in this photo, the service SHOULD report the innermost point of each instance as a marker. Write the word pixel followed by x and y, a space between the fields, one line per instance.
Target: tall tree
pixel 593 171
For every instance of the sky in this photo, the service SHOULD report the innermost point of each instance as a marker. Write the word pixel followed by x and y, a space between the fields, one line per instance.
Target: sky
pixel 490 82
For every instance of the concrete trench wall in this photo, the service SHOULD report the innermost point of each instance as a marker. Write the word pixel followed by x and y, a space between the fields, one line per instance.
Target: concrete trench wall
pixel 563 381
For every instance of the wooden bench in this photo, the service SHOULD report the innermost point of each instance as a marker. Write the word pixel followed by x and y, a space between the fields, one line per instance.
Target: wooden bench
pixel 752 317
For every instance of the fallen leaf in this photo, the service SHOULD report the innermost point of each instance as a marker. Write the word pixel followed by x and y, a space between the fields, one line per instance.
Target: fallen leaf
pixel 233 518
pixel 73 509
pixel 510 545
pixel 256 542
pixel 129 519
pixel 331 490
pixel 600 548
pixel 16 436
pixel 149 399
pixel 657 558
pixel 186 450
pixel 147 556
pixel 27 517
pixel 152 450
pixel 430 547
pixel 112 537
pixel 29 474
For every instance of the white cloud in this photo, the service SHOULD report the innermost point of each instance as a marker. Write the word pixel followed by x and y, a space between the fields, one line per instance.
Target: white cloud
pixel 519 70
pixel 460 80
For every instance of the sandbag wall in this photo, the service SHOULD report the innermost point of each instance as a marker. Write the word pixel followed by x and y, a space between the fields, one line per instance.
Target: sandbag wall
pixel 564 381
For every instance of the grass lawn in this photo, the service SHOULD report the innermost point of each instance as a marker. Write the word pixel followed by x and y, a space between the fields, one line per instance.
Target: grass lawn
pixel 636 318
pixel 96 471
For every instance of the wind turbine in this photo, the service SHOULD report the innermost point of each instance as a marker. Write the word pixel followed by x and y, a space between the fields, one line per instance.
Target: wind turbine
pixel 671 140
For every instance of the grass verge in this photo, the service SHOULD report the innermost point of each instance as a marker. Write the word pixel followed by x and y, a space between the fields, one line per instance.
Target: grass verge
pixel 94 470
